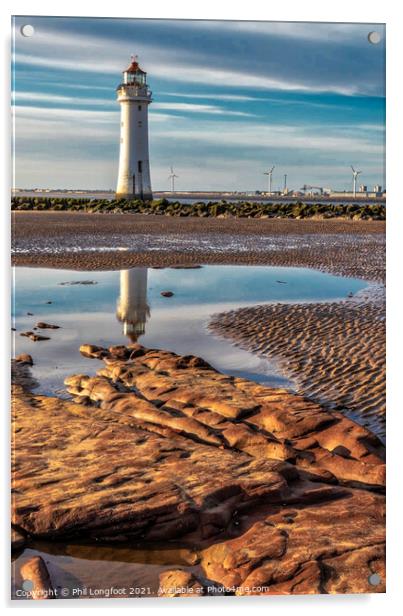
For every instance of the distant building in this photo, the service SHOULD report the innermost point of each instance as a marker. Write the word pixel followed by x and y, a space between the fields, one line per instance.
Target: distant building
pixel 359 196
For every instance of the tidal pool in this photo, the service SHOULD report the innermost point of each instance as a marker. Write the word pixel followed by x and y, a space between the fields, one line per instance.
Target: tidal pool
pixel 113 307
pixel 81 571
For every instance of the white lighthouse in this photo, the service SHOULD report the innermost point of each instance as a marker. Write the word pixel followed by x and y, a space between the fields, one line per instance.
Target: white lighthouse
pixel 134 97
pixel 132 308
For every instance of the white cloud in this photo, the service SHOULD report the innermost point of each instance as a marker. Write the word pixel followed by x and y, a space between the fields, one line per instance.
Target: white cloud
pixel 221 97
pixel 46 114
pixel 192 73
pixel 45 97
pixel 61 127
pixel 74 124
pixel 195 108
pixel 55 124
pixel 353 33
pixel 71 64
pixel 89 53
pixel 258 99
pixel 44 131
pixel 266 135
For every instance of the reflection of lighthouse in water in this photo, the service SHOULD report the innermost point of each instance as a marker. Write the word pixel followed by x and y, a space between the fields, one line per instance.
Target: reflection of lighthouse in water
pixel 132 308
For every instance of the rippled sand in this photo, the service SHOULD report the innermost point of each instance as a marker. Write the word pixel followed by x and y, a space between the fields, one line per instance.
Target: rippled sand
pixel 334 351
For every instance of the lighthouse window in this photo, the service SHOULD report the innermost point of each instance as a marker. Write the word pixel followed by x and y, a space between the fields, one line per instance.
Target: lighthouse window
pixel 140 123
pixel 140 166
pixel 139 107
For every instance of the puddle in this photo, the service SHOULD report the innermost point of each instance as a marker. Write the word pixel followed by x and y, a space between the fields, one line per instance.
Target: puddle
pixel 127 306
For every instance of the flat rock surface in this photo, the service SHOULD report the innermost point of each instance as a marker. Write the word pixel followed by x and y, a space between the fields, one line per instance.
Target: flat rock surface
pixel 274 493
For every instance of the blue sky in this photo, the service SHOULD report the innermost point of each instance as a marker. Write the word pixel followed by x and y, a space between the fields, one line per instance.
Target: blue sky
pixel 230 99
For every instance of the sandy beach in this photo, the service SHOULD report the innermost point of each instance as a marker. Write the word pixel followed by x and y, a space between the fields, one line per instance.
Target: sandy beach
pixel 292 467
pixel 79 241
pixel 335 352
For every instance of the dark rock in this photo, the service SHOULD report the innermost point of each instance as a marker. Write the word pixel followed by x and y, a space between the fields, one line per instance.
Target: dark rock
pixel 167 293
pixel 75 282
pixel 42 325
pixel 18 540
pixel 34 337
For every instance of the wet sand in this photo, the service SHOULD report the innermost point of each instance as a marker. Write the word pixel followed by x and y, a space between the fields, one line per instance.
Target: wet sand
pixel 109 241
pixel 334 351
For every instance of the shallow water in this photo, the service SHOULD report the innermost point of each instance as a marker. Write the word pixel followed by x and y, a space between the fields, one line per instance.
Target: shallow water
pixel 118 307
pixel 121 307
pixel 104 571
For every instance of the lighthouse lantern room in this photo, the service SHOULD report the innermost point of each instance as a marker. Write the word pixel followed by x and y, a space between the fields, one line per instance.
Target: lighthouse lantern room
pixel 134 96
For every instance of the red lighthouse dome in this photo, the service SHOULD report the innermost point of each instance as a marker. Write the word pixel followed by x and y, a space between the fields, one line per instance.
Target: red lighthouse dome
pixel 133 73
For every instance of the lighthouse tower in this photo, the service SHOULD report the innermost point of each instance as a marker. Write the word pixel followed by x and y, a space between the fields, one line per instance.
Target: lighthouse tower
pixel 134 97
pixel 132 308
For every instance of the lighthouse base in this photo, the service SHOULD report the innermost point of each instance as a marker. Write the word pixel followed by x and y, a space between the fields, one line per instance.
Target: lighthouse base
pixel 147 196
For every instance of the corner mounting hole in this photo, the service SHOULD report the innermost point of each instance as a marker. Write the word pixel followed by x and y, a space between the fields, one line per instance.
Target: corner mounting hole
pixel 374 38
pixel 27 30
pixel 28 585
pixel 374 579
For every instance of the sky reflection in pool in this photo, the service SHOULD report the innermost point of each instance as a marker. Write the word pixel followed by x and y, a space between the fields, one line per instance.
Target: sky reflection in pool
pixel 127 306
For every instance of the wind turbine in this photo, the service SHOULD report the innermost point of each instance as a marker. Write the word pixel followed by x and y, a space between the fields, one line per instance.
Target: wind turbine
pixel 355 176
pixel 270 174
pixel 172 177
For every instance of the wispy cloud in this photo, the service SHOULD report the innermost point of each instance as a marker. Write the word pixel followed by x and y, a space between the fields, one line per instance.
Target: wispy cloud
pixel 73 125
pixel 228 96
pixel 237 79
pixel 56 122
pixel 265 135
pixel 256 99
pixel 66 114
pixel 68 64
pixel 220 97
pixel 194 108
pixel 323 32
pixel 193 74
pixel 45 97
pixel 106 55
